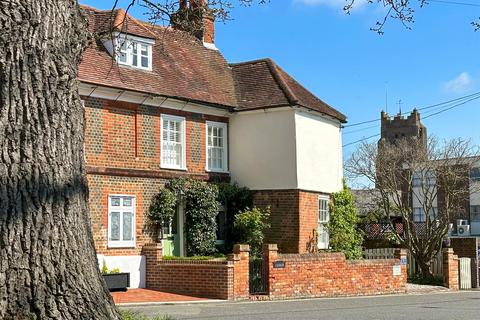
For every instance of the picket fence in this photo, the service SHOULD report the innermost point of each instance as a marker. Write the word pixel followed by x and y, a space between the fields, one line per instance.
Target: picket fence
pixel 388 253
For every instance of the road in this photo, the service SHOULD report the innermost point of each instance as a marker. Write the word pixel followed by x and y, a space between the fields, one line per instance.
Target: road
pixel 441 306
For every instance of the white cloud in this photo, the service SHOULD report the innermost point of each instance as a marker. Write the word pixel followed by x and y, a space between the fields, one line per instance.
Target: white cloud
pixel 333 3
pixel 459 84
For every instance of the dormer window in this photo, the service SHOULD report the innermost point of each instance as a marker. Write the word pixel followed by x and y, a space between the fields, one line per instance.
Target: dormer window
pixel 134 51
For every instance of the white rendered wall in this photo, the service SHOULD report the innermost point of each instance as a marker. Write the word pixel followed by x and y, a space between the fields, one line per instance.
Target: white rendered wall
pixel 262 149
pixel 135 265
pixel 319 152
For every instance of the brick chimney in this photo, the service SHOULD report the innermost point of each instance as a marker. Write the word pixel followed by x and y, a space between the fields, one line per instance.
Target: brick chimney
pixel 196 9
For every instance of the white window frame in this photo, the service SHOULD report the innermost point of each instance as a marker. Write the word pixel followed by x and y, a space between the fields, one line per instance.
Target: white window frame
pixel 130 40
pixel 321 223
pixel 121 209
pixel 223 126
pixel 183 124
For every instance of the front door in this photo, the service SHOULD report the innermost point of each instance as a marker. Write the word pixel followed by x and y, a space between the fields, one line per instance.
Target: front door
pixel 173 239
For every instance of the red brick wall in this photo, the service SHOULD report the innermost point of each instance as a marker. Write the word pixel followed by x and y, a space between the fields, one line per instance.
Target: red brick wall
pixel 100 188
pixel 294 216
pixel 330 274
pixel 210 279
pixel 467 248
pixel 122 149
pixel 126 135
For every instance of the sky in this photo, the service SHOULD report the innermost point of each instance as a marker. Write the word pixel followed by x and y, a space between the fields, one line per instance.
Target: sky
pixel 355 70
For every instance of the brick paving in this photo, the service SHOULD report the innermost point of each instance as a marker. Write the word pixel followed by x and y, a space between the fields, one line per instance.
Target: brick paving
pixel 149 296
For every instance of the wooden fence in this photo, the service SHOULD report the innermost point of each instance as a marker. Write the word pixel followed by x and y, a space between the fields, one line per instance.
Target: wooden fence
pixel 436 265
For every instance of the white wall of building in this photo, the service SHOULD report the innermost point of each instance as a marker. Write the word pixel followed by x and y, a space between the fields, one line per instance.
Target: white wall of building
pixel 319 152
pixel 262 149
pixel 285 149
pixel 135 265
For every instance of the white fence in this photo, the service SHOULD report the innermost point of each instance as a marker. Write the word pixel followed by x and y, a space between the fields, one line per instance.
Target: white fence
pixel 436 265
pixel 465 273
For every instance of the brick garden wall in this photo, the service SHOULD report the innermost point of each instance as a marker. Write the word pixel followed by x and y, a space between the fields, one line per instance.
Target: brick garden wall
pixel 226 280
pixel 294 216
pixel 330 274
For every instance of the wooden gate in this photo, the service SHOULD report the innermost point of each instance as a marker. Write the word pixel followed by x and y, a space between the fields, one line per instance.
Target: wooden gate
pixel 465 273
pixel 258 276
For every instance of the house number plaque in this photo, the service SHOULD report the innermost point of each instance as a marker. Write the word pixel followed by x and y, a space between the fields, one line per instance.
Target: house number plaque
pixel 279 264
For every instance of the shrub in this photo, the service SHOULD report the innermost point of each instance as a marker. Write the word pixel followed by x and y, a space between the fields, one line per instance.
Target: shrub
pixel 344 234
pixel 162 208
pixel 234 199
pixel 250 227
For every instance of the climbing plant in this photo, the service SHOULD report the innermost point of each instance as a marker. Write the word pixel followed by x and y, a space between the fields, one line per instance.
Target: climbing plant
pixel 162 208
pixel 201 208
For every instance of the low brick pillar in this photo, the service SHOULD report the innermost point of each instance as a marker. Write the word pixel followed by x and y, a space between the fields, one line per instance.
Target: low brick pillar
pixel 450 269
pixel 153 253
pixel 270 254
pixel 401 255
pixel 241 276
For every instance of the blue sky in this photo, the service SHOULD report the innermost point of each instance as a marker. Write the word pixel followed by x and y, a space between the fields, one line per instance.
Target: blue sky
pixel 339 59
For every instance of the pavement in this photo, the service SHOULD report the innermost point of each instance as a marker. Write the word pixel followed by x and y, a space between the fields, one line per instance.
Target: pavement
pixel 464 305
pixel 147 296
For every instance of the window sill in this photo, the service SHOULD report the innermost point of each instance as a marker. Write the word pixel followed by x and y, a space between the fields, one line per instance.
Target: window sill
pixel 174 168
pixel 121 246
pixel 217 171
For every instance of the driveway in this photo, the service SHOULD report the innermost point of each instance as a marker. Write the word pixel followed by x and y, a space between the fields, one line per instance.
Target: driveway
pixel 440 306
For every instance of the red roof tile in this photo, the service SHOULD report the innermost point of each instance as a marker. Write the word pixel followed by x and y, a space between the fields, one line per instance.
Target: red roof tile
pixel 185 69
pixel 262 83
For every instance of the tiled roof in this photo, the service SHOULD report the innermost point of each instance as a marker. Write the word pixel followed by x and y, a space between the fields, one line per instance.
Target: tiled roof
pixel 262 83
pixel 183 68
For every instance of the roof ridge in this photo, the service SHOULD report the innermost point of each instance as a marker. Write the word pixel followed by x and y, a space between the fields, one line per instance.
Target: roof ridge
pixel 124 16
pixel 249 62
pixel 272 66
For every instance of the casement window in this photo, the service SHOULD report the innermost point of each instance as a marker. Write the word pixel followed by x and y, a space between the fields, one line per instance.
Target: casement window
pixel 323 219
pixel 217 146
pixel 475 213
pixel 173 142
pixel 475 174
pixel 134 51
pixel 121 221
pixel 418 214
pixel 424 179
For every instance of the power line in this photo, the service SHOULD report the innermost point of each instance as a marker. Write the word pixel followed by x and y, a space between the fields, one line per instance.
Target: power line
pixel 419 109
pixel 359 130
pixel 449 108
pixel 363 139
pixel 428 116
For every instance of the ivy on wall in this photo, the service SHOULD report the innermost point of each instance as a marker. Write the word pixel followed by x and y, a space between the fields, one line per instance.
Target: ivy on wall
pixel 201 209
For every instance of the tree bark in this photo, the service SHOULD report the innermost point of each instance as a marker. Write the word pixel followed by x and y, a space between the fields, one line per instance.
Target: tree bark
pixel 48 265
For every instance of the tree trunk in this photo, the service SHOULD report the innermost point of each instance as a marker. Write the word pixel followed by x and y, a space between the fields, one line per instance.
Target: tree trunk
pixel 424 268
pixel 48 266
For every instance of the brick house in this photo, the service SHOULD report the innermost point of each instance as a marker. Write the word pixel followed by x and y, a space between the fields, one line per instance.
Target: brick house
pixel 166 104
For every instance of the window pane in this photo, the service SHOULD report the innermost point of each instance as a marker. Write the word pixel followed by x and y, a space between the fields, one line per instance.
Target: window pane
pixel 115 201
pixel 127 202
pixel 115 226
pixel 144 62
pixel 144 50
pixel 127 226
